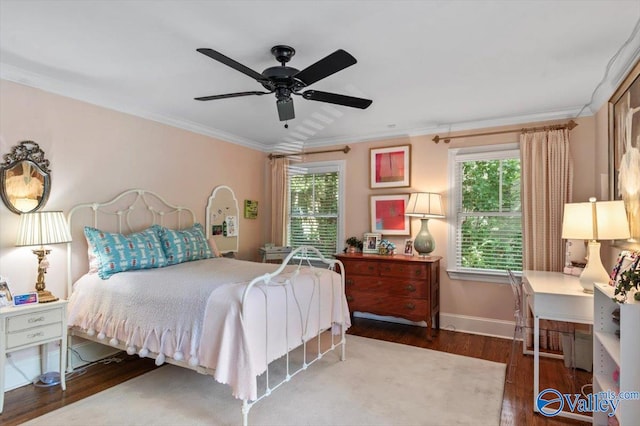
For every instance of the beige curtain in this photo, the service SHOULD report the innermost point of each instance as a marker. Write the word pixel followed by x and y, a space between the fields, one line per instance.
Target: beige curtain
pixel 547 177
pixel 279 200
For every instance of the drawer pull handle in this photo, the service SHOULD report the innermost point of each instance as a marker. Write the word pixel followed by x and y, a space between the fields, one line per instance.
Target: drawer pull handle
pixel 38 319
pixel 410 306
pixel 35 335
pixel 349 298
pixel 418 271
pixel 410 287
pixel 349 281
pixel 371 268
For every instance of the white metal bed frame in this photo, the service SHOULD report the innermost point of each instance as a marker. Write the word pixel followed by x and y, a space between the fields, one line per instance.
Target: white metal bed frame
pixel 125 206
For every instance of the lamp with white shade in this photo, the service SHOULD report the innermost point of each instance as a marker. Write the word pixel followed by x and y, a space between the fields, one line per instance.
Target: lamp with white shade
pixel 40 229
pixel 594 221
pixel 424 205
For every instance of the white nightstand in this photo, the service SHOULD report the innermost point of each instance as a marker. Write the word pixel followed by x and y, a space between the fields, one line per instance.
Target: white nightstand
pixel 30 325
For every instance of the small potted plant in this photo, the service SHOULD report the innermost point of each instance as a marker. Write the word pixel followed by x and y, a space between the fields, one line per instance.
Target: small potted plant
pixel 629 279
pixel 353 245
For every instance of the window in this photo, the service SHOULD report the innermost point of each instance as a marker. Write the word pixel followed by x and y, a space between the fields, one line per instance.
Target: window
pixel 316 206
pixel 485 212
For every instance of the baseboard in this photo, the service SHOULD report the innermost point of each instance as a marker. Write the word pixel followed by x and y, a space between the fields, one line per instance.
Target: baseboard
pixel 453 322
pixel 28 361
pixel 477 325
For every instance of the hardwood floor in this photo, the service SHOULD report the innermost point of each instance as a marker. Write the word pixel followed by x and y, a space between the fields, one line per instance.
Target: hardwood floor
pixel 29 402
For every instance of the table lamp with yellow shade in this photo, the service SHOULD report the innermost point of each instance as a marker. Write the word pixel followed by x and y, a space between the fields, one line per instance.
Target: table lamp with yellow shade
pixel 40 229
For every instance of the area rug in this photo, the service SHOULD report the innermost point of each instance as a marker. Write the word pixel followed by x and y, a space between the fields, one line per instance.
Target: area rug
pixel 380 383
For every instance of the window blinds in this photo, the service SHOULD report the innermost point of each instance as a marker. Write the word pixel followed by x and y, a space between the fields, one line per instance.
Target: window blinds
pixel 488 212
pixel 313 216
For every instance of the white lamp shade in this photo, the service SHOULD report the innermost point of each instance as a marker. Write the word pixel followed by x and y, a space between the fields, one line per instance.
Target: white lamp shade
pixel 40 228
pixel 601 220
pixel 425 205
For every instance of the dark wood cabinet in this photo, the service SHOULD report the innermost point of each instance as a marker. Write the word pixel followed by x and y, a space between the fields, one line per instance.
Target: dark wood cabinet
pixel 400 286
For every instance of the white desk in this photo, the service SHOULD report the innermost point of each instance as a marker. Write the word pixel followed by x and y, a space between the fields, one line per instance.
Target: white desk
pixel 555 296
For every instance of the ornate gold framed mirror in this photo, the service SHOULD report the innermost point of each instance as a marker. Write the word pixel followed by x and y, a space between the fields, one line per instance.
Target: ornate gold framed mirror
pixel 25 180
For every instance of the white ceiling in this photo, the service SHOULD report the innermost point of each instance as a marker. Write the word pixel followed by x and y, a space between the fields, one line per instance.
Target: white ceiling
pixel 428 66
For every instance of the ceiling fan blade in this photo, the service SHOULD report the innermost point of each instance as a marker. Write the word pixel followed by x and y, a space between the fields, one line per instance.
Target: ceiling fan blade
pixel 326 66
pixel 334 98
pixel 285 109
pixel 230 95
pixel 231 63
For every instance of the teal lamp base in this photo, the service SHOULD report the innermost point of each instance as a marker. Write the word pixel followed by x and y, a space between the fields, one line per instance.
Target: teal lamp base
pixel 424 243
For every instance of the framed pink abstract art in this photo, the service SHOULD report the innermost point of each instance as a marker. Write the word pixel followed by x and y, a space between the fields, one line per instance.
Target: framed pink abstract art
pixel 389 167
pixel 387 214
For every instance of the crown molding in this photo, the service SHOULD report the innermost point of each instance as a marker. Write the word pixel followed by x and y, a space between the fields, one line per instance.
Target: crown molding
pixel 619 70
pixel 621 66
pixel 74 91
pixel 455 127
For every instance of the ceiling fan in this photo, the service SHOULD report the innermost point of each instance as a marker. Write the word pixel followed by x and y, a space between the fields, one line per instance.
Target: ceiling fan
pixel 285 81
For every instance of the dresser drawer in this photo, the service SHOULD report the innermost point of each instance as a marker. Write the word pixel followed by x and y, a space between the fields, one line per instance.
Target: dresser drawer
pixel 34 335
pixel 415 271
pixel 386 286
pixel 362 268
pixel 33 319
pixel 403 307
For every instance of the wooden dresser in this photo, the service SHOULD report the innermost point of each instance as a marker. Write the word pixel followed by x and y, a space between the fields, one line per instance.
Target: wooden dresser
pixel 401 286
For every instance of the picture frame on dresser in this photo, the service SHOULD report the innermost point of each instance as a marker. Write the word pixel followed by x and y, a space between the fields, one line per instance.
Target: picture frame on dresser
pixel 371 242
pixel 408 247
pixel 5 291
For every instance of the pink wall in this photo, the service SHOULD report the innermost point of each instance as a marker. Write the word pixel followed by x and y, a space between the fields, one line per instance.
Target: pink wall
pixel 96 153
pixel 429 172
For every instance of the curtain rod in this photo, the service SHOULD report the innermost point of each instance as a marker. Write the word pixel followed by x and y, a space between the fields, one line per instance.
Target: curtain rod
pixel 346 149
pixel 570 126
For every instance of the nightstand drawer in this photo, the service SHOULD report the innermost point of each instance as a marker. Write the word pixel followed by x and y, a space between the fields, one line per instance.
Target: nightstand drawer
pixel 34 319
pixel 34 335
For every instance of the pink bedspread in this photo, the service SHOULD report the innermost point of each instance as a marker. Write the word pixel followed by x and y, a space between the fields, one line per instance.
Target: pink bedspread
pixel 192 312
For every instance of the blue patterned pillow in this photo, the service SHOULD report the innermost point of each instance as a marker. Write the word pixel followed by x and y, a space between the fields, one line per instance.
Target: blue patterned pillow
pixel 115 253
pixel 184 245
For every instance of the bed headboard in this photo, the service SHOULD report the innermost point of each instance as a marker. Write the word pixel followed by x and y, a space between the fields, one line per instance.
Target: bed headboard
pixel 131 211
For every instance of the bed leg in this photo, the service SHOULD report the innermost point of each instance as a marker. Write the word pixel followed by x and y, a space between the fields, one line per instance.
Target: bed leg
pixel 245 412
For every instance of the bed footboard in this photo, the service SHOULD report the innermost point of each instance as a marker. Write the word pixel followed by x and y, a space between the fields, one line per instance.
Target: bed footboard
pixel 311 345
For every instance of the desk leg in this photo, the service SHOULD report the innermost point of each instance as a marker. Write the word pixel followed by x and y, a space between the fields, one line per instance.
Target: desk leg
pixel 536 360
pixel 63 359
pixel 525 305
pixel 3 356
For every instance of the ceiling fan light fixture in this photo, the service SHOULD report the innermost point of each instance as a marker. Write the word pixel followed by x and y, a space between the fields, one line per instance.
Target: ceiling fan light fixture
pixel 285 109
